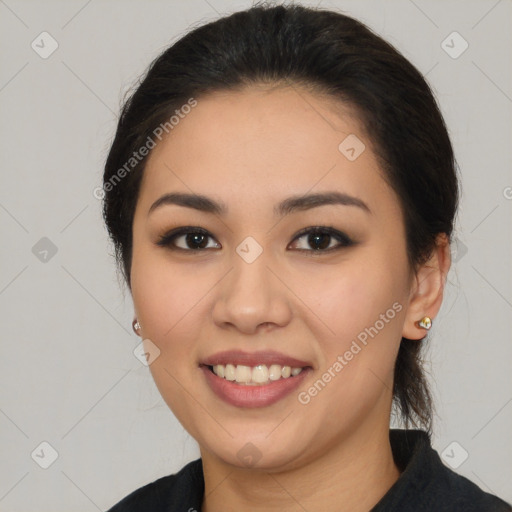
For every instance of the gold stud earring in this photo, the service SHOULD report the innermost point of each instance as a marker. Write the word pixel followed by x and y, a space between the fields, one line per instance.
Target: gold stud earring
pixel 425 323
pixel 136 326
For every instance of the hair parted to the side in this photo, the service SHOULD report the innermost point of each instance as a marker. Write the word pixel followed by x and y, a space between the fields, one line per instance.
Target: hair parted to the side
pixel 336 56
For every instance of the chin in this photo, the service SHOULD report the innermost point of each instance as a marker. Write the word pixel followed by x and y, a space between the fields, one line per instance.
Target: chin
pixel 263 452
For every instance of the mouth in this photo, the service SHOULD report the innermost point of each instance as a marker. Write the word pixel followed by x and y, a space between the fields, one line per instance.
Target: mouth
pixel 253 380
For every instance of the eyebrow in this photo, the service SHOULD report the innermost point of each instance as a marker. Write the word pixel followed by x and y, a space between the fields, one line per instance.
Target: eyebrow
pixel 285 207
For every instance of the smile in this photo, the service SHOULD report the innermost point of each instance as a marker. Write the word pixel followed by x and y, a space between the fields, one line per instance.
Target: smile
pixel 258 375
pixel 253 379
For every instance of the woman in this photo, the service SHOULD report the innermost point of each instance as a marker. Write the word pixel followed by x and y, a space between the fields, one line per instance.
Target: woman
pixel 281 192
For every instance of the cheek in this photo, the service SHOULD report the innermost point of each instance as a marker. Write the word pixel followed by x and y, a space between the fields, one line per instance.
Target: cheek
pixel 168 302
pixel 365 312
pixel 169 307
pixel 164 295
pixel 349 298
pixel 362 304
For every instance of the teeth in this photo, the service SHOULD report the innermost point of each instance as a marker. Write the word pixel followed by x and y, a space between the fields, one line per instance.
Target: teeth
pixel 260 374
pixel 274 372
pixel 255 375
pixel 229 372
pixel 243 373
pixel 219 370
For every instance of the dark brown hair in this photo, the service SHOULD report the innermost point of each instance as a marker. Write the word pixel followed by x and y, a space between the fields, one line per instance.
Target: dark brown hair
pixel 337 56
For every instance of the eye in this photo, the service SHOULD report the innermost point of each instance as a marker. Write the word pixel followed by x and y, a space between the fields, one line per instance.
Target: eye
pixel 321 239
pixel 195 239
pixel 188 238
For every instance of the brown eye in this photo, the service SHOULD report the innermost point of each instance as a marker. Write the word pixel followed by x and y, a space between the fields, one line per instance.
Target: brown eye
pixel 187 239
pixel 317 239
pixel 322 239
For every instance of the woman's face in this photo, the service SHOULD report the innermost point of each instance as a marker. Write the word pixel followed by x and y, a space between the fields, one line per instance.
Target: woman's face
pixel 253 293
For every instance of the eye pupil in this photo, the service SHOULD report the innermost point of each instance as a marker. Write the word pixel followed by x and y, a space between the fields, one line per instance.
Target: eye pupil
pixel 315 239
pixel 196 240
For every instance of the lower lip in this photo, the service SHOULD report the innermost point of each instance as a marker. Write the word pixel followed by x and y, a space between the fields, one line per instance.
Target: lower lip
pixel 253 396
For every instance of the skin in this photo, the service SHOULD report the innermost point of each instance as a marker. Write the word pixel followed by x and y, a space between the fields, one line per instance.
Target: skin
pixel 251 149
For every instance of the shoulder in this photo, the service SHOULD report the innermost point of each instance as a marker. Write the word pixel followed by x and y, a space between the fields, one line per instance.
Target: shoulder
pixel 462 494
pixel 427 484
pixel 171 492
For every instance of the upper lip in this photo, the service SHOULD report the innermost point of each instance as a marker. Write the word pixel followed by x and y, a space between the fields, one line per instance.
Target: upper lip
pixel 267 357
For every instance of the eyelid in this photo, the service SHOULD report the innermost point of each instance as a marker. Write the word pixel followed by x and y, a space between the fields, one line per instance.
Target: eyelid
pixel 167 239
pixel 343 239
pixel 320 229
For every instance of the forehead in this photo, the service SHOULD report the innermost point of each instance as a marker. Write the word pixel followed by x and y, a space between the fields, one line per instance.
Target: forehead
pixel 261 142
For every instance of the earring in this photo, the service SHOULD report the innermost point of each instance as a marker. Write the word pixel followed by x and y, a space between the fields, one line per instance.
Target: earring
pixel 425 323
pixel 136 326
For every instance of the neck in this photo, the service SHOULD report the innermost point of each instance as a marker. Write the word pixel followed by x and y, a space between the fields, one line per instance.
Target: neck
pixel 351 475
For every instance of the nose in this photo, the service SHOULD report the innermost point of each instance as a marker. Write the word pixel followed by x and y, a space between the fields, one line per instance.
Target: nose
pixel 251 298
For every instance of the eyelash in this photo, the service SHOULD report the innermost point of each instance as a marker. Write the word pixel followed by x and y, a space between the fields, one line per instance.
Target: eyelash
pixel 169 238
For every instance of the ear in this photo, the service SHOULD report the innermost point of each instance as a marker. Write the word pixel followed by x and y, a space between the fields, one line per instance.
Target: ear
pixel 427 289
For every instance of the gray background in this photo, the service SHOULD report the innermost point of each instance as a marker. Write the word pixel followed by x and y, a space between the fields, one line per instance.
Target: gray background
pixel 68 374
